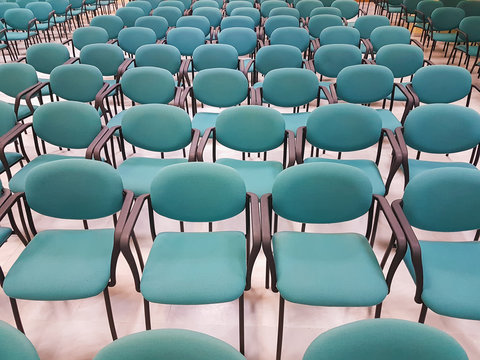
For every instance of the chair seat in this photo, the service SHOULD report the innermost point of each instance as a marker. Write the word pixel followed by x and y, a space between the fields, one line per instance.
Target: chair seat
pixel 19 35
pixel 399 96
pixel 195 268
pixel 43 26
pixel 472 50
pixel 204 120
pixel 62 265
pixel 4 234
pixel 327 85
pixel 446 37
pixel 451 277
pixel 245 64
pixel 116 120
pixel 367 166
pixel 389 121
pixel 294 121
pixel 12 159
pixel 327 269
pixel 138 172
pixel 17 182
pixel 258 176
pixel 23 111
pixel 416 167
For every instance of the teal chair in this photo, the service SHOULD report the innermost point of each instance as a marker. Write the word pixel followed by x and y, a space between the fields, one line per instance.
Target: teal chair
pixel 186 39
pixel 305 7
pixel 178 4
pixel 349 9
pixel 244 40
pixel 237 21
pixel 197 22
pixel 130 39
pixel 21 26
pixel 423 11
pixel 366 24
pixel 111 23
pixel 317 24
pixel 170 13
pixel 326 10
pixel 279 21
pixel 407 12
pixel 340 35
pixel 129 15
pixel 267 6
pixel 15 345
pixel 438 129
pixel 446 201
pixel 205 3
pixel 285 11
pixel 85 36
pixel 295 36
pixel 384 338
pixel 63 14
pixel 213 15
pixel 386 35
pixel 471 8
pixel 321 269
pixel 45 16
pixel 175 344
pixel 237 5
pixel 252 129
pixel 79 263
pixel 105 57
pixel 225 258
pixel 5 46
pixel 141 4
pixel 467 41
pixel 156 23
pixel 252 13
pixel 442 20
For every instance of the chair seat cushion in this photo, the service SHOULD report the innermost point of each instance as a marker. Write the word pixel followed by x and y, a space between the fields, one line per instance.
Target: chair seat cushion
pixel 398 94
pixel 451 277
pixel 389 121
pixel 23 111
pixel 204 120
pixel 138 172
pixel 294 121
pixel 17 182
pixel 19 35
pixel 12 159
pixel 447 37
pixel 367 166
pixel 62 265
pixel 416 167
pixel 327 269
pixel 472 50
pixel 116 120
pixel 4 234
pixel 325 84
pixel 258 176
pixel 195 268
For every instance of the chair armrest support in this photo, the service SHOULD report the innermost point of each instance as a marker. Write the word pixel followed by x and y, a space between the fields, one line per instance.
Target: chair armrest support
pixel 266 215
pixel 192 155
pixel 333 94
pixel 300 144
pixel 203 142
pixel 290 135
pixel 252 201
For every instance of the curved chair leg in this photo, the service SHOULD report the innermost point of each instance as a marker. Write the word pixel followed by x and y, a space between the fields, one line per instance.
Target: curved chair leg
pixel 241 318
pixel 281 313
pixel 423 314
pixel 16 315
pixel 378 310
pixel 146 306
pixel 108 305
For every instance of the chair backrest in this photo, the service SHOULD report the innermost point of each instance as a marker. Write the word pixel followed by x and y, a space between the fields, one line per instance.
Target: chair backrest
pixel 186 3
pixel 205 3
pixel 366 24
pixel 471 26
pixel 157 127
pixel 450 3
pixel 141 4
pixel 19 18
pixel 446 18
pixel 279 21
pixel 77 189
pixel 326 10
pixel 15 344
pixel 285 11
pixel 343 127
pixel 217 193
pixel 148 85
pixel 237 21
pixel 111 23
pixel 427 7
pixel 159 55
pixel 329 60
pixel 105 57
pixel 321 193
pixel 130 39
pixel 220 87
pixel 364 84
pixel 349 8
pixel 444 199
pixel 340 35
pixel 195 21
pixel 237 5
pixel 252 13
pixel 60 6
pixel 156 23
pixel 170 13
pixel 411 5
pixel 210 56
pixel 242 39
pixel 178 4
pixel 277 56
pixel 7 6
pixel 41 10
pixel 154 3
pixel 16 77
pixel 213 15
pixel 430 83
pixel 129 15
pixel 68 124
pixel 385 35
pixel 442 128
pixel 402 60
pixel 8 119
pixel 23 3
pixel 289 87
pixel 268 5
pixel 89 35
pixel 305 7
pixel 76 82
pixel 293 36
pixel 319 22
pixel 379 338
pixel 250 128
pixel 471 8
pixel 45 57
pixel 186 39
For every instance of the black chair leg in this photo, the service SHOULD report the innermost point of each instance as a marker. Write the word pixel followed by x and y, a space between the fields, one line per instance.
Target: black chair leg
pixel 378 311
pixel 146 306
pixel 16 315
pixel 241 317
pixel 281 312
pixel 423 314
pixel 108 306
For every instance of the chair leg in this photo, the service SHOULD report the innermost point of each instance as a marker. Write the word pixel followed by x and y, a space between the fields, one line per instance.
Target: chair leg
pixel 477 235
pixel 378 310
pixel 16 315
pixel 281 312
pixel 423 314
pixel 108 306
pixel 146 306
pixel 241 317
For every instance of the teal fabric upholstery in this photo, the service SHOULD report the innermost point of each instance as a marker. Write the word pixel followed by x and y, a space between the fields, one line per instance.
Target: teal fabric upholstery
pixel 385 35
pixel 170 13
pixel 156 23
pixel 329 60
pixel 178 4
pixel 366 24
pixel 195 21
pixel 186 39
pixel 213 15
pixel 326 10
pixel 416 167
pixel 16 77
pixel 141 4
pixel 305 7
pixel 4 234
pixel 252 13
pixel 89 35
pixel 470 8
pixel 293 36
pixel 339 35
pixel 111 23
pixel 285 11
pixel 446 18
pixel 7 118
pixel 217 276
pixel 105 57
pixel 242 39
pixel 14 344
pixel 280 21
pixel 130 39
pixel 348 8
pixel 45 57
pixel 267 6
pixel 12 159
pixel 205 3
pixel 159 55
pixel 318 23
pixel 389 121
pixel 237 21
pixel 329 193
pixel 295 120
pixel 129 15
pixel 204 120
pixel 147 85
pixel 174 344
pixel 62 265
pixel 18 19
pixel 384 339
pixel 77 82
pixel 215 56
pixel 403 60
pixel 327 269
pixel 277 56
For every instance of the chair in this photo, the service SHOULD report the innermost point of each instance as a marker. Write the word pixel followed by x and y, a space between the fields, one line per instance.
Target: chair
pixel 186 39
pixel 4 6
pixel 443 19
pixel 285 11
pixel 217 194
pixel 324 269
pixel 86 36
pixel 407 12
pixel 63 14
pixel 129 15
pixel 340 35
pixel 366 24
pixel 376 83
pixel 8 121
pixel 386 35
pixel 422 13
pixel 186 3
pixel 197 22
pixel 213 15
pixel 130 39
pixel 305 7
pixel 317 24
pixel 141 4
pixel 205 3
pixel 178 4
pixel 170 13
pixel 23 27
pixel 391 7
pixel 15 345
pixel 105 57
pixel 43 12
pixel 156 23
pixel 252 13
pixel 237 5
pixel 111 23
pixel 244 40
pixel 237 21
pixel 75 190
pixel 296 36
pixel 326 10
pixel 471 8
pixel 268 5
pixel 279 21
pixel 443 200
pixel 438 129
pixel 378 338
pixel 176 344
pixel 467 41
pixel 252 129
pixel 348 8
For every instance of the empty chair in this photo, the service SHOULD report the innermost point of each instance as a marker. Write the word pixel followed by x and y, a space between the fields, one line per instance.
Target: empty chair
pixel 130 39
pixel 87 35
pixel 305 7
pixel 63 13
pixel 252 13
pixel 15 345
pixel 326 10
pixel 422 13
pixel 156 23
pixel 141 4
pixel 170 13
pixel 348 8
pixel 237 5
pixel 111 23
pixel 318 23
pixel 23 25
pixel 8 121
pixel 178 4
pixel 268 5
pixel 186 39
pixel 467 41
pixel 340 35
pixel 386 35
pixel 213 15
pixel 45 16
pixel 407 12
pixel 237 21
pixel 129 15
pixel 471 8
pixel 441 20
pixel 285 11
pixel 279 21
pixel 296 36
pixel 105 57
pixel 366 24
pixel 243 40
pixel 205 3
pixel 197 22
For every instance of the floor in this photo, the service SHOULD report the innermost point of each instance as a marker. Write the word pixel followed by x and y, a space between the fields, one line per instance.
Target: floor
pixel 78 329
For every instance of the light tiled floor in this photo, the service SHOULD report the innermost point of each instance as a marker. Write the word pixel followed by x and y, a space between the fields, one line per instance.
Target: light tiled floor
pixel 77 329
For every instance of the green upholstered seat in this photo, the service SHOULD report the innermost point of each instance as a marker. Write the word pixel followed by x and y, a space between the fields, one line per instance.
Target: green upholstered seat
pixel 327 269
pixel 4 234
pixel 418 166
pixel 62 265
pixel 12 158
pixel 389 120
pixel 14 344
pixel 195 268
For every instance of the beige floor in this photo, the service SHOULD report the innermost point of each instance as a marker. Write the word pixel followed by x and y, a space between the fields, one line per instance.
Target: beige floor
pixel 77 330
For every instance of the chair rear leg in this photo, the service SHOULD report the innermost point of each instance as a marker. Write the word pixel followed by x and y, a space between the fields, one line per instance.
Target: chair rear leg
pixel 108 306
pixel 281 313
pixel 16 315
pixel 241 318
